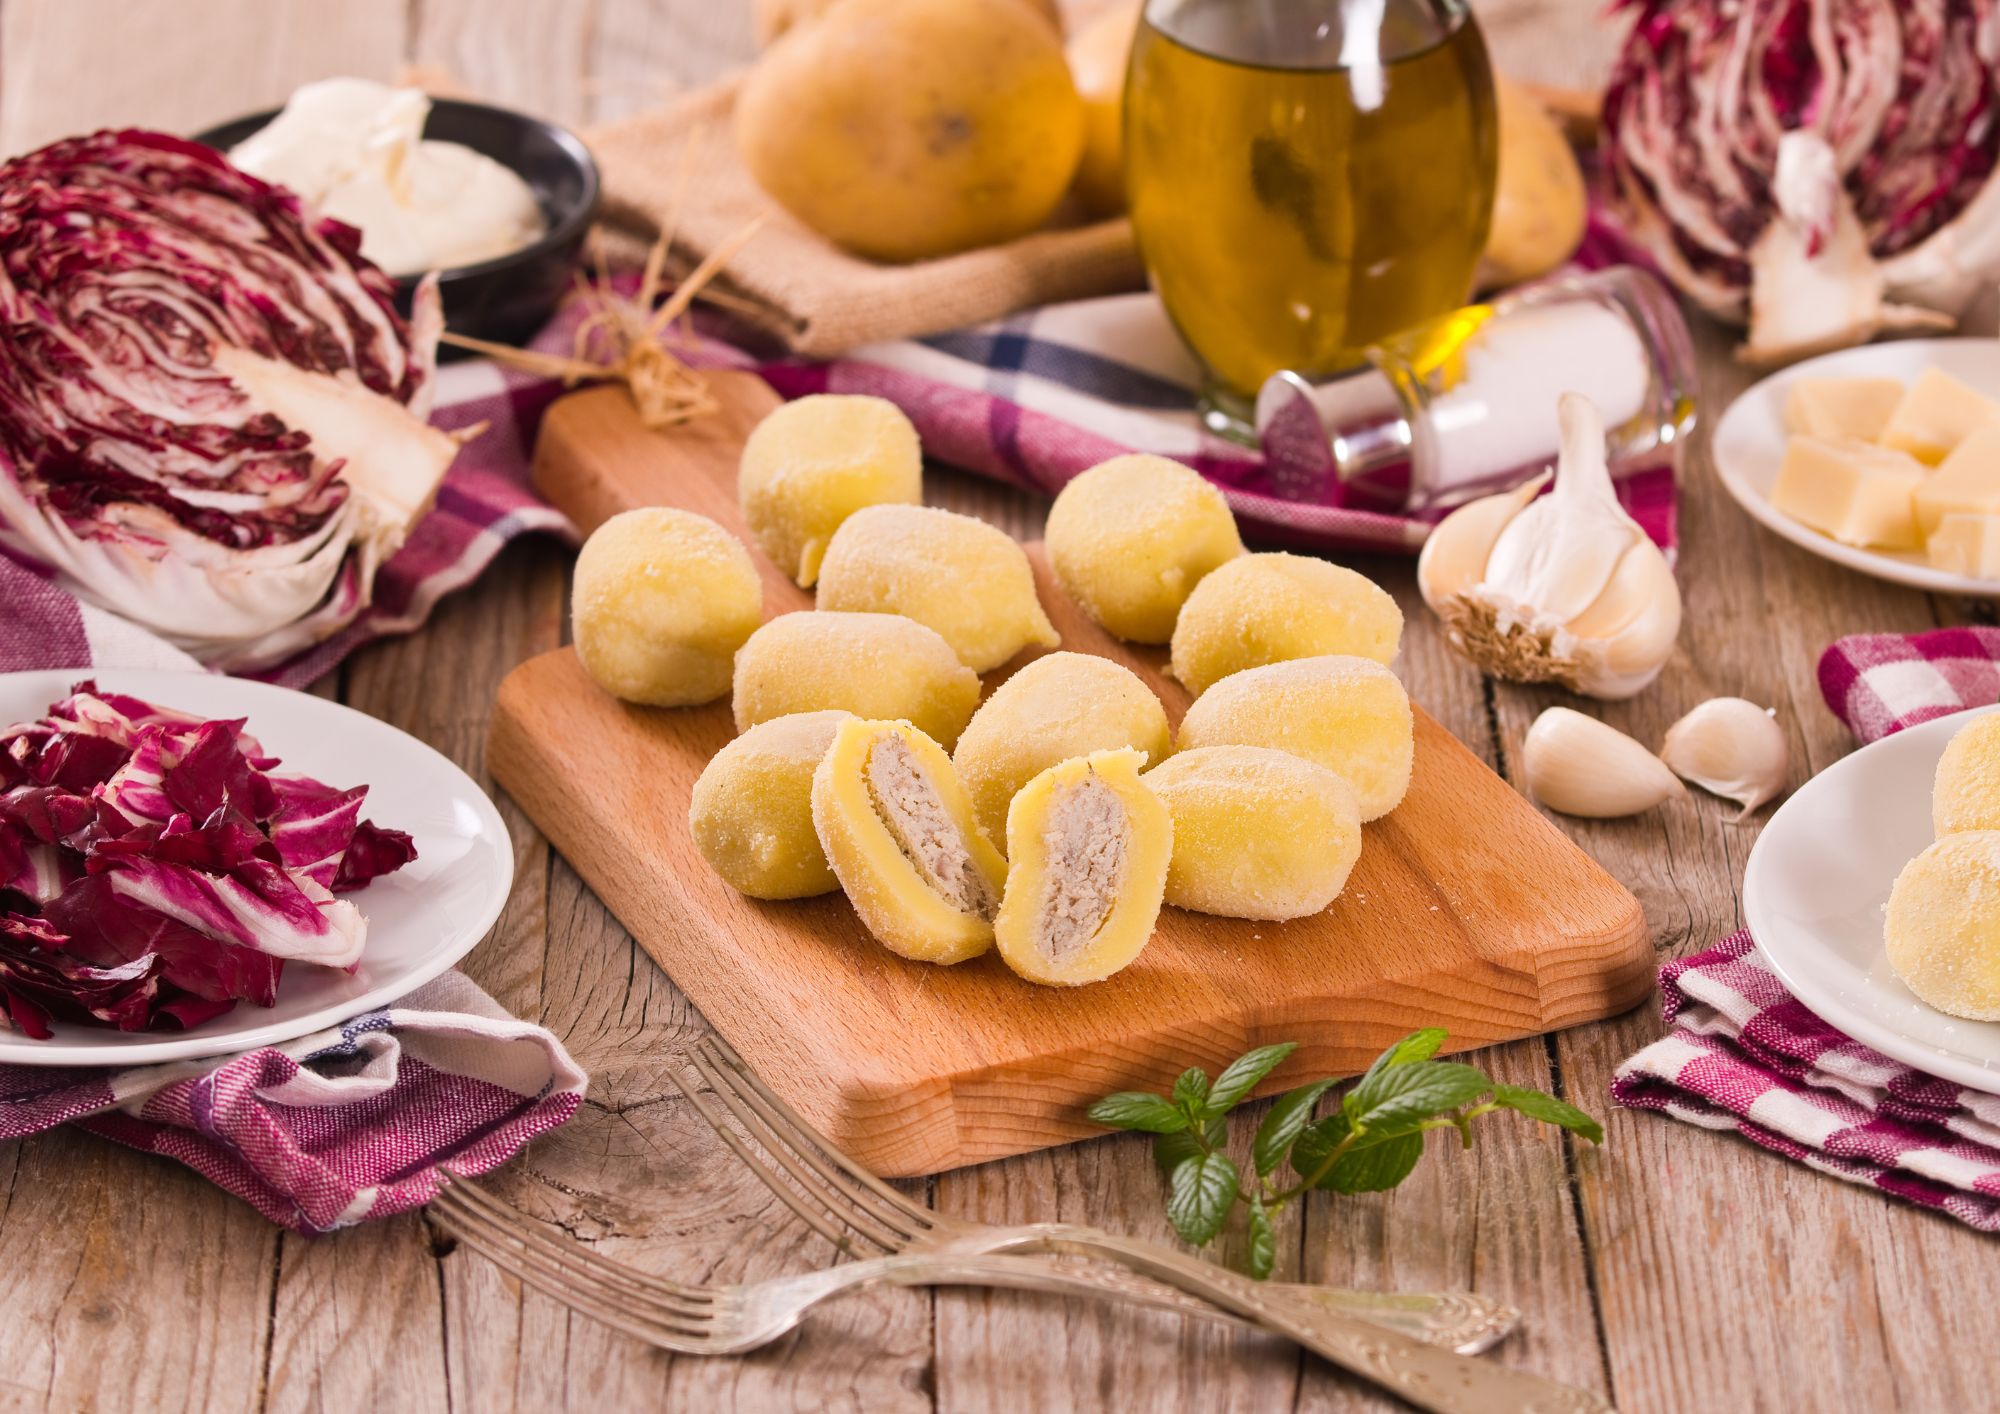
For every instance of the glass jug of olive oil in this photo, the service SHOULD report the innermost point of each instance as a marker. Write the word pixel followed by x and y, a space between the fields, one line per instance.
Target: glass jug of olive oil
pixel 1306 177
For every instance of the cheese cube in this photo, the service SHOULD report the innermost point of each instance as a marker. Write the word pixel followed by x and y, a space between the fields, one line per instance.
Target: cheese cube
pixel 1967 544
pixel 1842 407
pixel 1968 481
pixel 1858 494
pixel 1936 415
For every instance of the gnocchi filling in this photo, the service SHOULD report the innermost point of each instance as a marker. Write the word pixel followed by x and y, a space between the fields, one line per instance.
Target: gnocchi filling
pixel 923 829
pixel 1088 837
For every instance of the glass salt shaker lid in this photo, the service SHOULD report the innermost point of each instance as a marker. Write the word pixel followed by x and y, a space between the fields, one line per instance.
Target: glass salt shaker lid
pixel 1465 405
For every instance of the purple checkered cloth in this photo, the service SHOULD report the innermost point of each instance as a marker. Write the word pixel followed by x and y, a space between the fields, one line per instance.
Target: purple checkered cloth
pixel 332 1129
pixel 1742 1053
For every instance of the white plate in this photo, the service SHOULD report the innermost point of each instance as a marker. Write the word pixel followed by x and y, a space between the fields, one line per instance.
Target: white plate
pixel 1750 443
pixel 1813 894
pixel 421 919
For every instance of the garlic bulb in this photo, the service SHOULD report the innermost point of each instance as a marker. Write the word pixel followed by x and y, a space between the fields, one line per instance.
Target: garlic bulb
pixel 1562 588
pixel 1731 748
pixel 1580 766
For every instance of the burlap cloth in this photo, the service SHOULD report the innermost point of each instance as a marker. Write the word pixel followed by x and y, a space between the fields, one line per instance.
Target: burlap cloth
pixel 816 299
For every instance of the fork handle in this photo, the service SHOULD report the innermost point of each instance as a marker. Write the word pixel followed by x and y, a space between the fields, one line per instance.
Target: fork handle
pixel 1423 1374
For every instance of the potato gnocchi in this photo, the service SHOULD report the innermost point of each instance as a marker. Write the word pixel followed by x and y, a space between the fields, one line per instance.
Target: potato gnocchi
pixel 873 665
pixel 751 808
pixel 811 464
pixel 1271 608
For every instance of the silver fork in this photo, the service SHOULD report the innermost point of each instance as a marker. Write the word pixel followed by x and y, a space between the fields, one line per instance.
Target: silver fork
pixel 829 1185
pixel 1422 1373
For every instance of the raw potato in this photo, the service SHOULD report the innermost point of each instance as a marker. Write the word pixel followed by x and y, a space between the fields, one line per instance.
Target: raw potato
pixel 1941 930
pixel 910 129
pixel 1270 608
pixel 662 601
pixel 1058 707
pixel 873 665
pixel 1089 846
pixel 1350 715
pixel 811 464
pixel 897 828
pixel 1967 792
pixel 1097 59
pixel 1131 538
pixel 1539 202
pixel 774 17
pixel 956 574
pixel 1257 833
pixel 751 812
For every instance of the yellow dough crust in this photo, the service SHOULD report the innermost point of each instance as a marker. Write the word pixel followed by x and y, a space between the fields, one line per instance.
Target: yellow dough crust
pixel 1060 706
pixel 1966 795
pixel 1129 540
pixel 897 828
pixel 1257 833
pixel 1271 608
pixel 953 573
pixel 873 665
pixel 661 601
pixel 1941 930
pixel 751 809
pixel 1089 847
pixel 1350 715
pixel 811 464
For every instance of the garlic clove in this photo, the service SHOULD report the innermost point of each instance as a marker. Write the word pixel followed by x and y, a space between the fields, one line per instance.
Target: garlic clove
pixel 1580 766
pixel 1731 748
pixel 1455 554
pixel 1631 630
pixel 1555 557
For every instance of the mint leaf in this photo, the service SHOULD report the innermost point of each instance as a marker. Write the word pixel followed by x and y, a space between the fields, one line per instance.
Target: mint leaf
pixel 1398 1097
pixel 1242 1075
pixel 1191 1090
pixel 1263 1253
pixel 1417 1046
pixel 1202 1192
pixel 1283 1125
pixel 1170 1151
pixel 1549 1110
pixel 1375 1167
pixel 1316 1141
pixel 1137 1109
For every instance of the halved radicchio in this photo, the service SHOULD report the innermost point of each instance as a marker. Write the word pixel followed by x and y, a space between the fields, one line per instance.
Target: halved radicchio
pixel 212 419
pixel 155 868
pixel 1820 168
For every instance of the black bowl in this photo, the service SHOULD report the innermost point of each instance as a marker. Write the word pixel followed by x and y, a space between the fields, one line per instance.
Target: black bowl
pixel 510 296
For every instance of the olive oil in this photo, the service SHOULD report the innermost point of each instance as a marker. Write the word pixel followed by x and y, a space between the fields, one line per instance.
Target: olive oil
pixel 1307 176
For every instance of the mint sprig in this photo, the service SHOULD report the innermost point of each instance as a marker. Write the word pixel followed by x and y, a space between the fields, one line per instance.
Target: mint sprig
pixel 1368 1144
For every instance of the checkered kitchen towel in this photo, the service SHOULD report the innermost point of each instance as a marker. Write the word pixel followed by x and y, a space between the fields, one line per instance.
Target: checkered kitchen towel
pixel 1742 1053
pixel 332 1129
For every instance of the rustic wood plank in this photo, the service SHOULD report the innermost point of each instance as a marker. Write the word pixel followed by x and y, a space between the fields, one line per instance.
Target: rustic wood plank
pixel 71 66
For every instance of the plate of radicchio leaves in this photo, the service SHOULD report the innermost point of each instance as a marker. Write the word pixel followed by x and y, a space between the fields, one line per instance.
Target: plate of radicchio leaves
pixel 192 865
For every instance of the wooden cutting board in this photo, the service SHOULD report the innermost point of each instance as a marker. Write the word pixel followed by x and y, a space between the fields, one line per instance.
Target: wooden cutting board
pixel 1468 909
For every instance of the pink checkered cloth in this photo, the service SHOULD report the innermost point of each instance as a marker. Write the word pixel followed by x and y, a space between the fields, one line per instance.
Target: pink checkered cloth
pixel 333 1129
pixel 1741 1053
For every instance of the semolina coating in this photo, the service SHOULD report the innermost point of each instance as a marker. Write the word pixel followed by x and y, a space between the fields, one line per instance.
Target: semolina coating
pixel 812 463
pixel 1349 714
pixel 661 602
pixel 751 811
pixel 1089 847
pixel 1131 538
pixel 1060 706
pixel 1270 608
pixel 1941 930
pixel 1966 795
pixel 968 580
pixel 873 665
pixel 1257 833
pixel 897 829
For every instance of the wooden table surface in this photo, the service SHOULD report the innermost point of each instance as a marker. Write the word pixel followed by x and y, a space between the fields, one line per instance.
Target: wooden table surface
pixel 1673 1269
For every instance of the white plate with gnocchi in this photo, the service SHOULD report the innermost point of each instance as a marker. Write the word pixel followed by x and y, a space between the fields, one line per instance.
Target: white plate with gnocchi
pixel 1815 891
pixel 1751 443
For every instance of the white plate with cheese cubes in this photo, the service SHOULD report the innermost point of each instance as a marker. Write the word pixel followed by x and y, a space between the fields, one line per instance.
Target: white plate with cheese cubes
pixel 1814 890
pixel 1929 399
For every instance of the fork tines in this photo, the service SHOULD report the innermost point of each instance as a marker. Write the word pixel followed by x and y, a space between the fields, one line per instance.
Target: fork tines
pixel 826 1184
